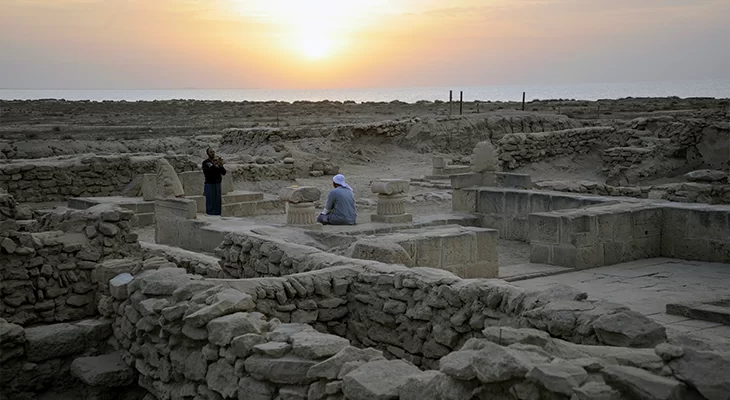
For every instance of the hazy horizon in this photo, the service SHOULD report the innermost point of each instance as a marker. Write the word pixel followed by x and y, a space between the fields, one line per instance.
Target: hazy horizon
pixel 357 44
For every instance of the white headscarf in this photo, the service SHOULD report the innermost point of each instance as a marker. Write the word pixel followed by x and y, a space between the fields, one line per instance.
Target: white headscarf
pixel 340 180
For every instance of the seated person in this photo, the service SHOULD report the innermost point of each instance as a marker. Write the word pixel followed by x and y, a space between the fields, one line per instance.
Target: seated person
pixel 340 207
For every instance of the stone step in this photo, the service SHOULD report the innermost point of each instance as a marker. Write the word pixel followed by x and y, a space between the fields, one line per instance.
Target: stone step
pixel 145 219
pixel 251 208
pixel 241 196
pixel 108 370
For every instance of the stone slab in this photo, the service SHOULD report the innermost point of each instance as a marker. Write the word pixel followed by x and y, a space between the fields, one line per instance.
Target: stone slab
pixel 717 310
pixel 392 219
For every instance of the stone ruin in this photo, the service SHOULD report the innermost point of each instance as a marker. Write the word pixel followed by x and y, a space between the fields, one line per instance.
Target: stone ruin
pixel 401 310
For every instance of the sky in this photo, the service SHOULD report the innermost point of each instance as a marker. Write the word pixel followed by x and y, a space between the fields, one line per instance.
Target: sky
pixel 297 44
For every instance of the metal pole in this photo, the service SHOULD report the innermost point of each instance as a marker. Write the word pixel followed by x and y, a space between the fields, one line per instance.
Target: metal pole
pixel 461 102
pixel 523 101
pixel 451 97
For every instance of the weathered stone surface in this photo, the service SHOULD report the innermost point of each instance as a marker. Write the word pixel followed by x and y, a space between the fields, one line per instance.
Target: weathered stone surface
pixel 107 370
pixel 458 364
pixel 506 336
pixel 162 282
pixel 196 366
pixel 668 351
pixel 300 194
pixel 629 329
pixel 484 157
pixel 225 302
pixel 168 183
pixel 241 346
pixel 118 286
pixel 53 341
pixel 223 329
pixel 596 391
pixel 558 377
pixel 642 384
pixel 287 370
pixel 222 378
pixel 317 345
pixel 272 349
pixel 253 389
pixel 390 186
pixel 331 367
pixel 494 363
pixel 377 380
pixel 283 332
pixel 707 371
pixel 434 385
pixel 705 175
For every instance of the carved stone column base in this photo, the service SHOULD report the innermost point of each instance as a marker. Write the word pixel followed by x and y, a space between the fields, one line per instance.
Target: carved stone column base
pixel 300 214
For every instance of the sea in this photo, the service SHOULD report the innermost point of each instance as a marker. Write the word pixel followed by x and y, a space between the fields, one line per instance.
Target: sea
pixel 582 91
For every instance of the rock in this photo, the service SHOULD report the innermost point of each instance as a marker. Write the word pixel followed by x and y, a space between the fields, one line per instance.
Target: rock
pixel 596 391
pixel 390 186
pixel 241 346
pixel 272 349
pixel 222 378
pixel 195 367
pixel 458 364
pixel 506 336
pixel 223 329
pixel 434 385
pixel 12 340
pixel 558 377
pixel 668 351
pixel 53 341
pixel 283 332
pixel 705 175
pixel 161 282
pixel 225 302
pixel 331 367
pixel 287 370
pixel 8 245
pixel 379 250
pixel 707 371
pixel 494 364
pixel 629 329
pixel 107 370
pixel 108 229
pixel 643 384
pixel 300 194
pixel 253 389
pixel 317 345
pixel 119 284
pixel 288 160
pixel 168 183
pixel 484 157
pixel 377 380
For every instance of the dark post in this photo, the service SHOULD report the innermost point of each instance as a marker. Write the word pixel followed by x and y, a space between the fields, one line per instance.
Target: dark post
pixel 451 96
pixel 461 102
pixel 523 101
pixel 477 106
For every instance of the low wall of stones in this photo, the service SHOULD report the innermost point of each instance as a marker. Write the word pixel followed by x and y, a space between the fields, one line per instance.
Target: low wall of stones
pixel 47 276
pixel 195 263
pixel 38 361
pixel 688 192
pixel 262 172
pixel 519 149
pixel 57 179
pixel 190 337
pixel 627 156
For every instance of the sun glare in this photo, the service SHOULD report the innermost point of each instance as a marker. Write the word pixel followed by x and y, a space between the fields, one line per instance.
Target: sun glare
pixel 314 29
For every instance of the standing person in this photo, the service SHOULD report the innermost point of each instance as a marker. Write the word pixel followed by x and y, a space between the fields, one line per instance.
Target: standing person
pixel 340 207
pixel 213 170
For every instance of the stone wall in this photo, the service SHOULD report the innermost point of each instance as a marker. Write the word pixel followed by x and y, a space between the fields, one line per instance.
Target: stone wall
pixel 696 232
pixel 254 172
pixel 627 156
pixel 40 360
pixel 47 275
pixel 57 179
pixel 193 338
pixel 519 149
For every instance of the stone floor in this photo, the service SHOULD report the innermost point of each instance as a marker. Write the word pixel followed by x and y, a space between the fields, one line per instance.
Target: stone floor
pixel 648 285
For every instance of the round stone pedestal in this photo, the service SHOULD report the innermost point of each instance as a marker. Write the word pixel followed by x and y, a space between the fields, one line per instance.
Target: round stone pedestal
pixel 391 204
pixel 300 214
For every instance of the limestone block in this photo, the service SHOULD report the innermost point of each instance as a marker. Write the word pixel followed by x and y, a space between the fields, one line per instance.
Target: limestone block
pixel 512 180
pixel 118 286
pixel 168 183
pixel 300 194
pixel 484 157
pixel 53 341
pixel 300 214
pixel 390 186
pixel 107 370
pixel 193 182
pixel 439 162
pixel 378 380
pixel 149 187
pixel 461 181
pixel 317 345
pixel 227 184
pixel 175 208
